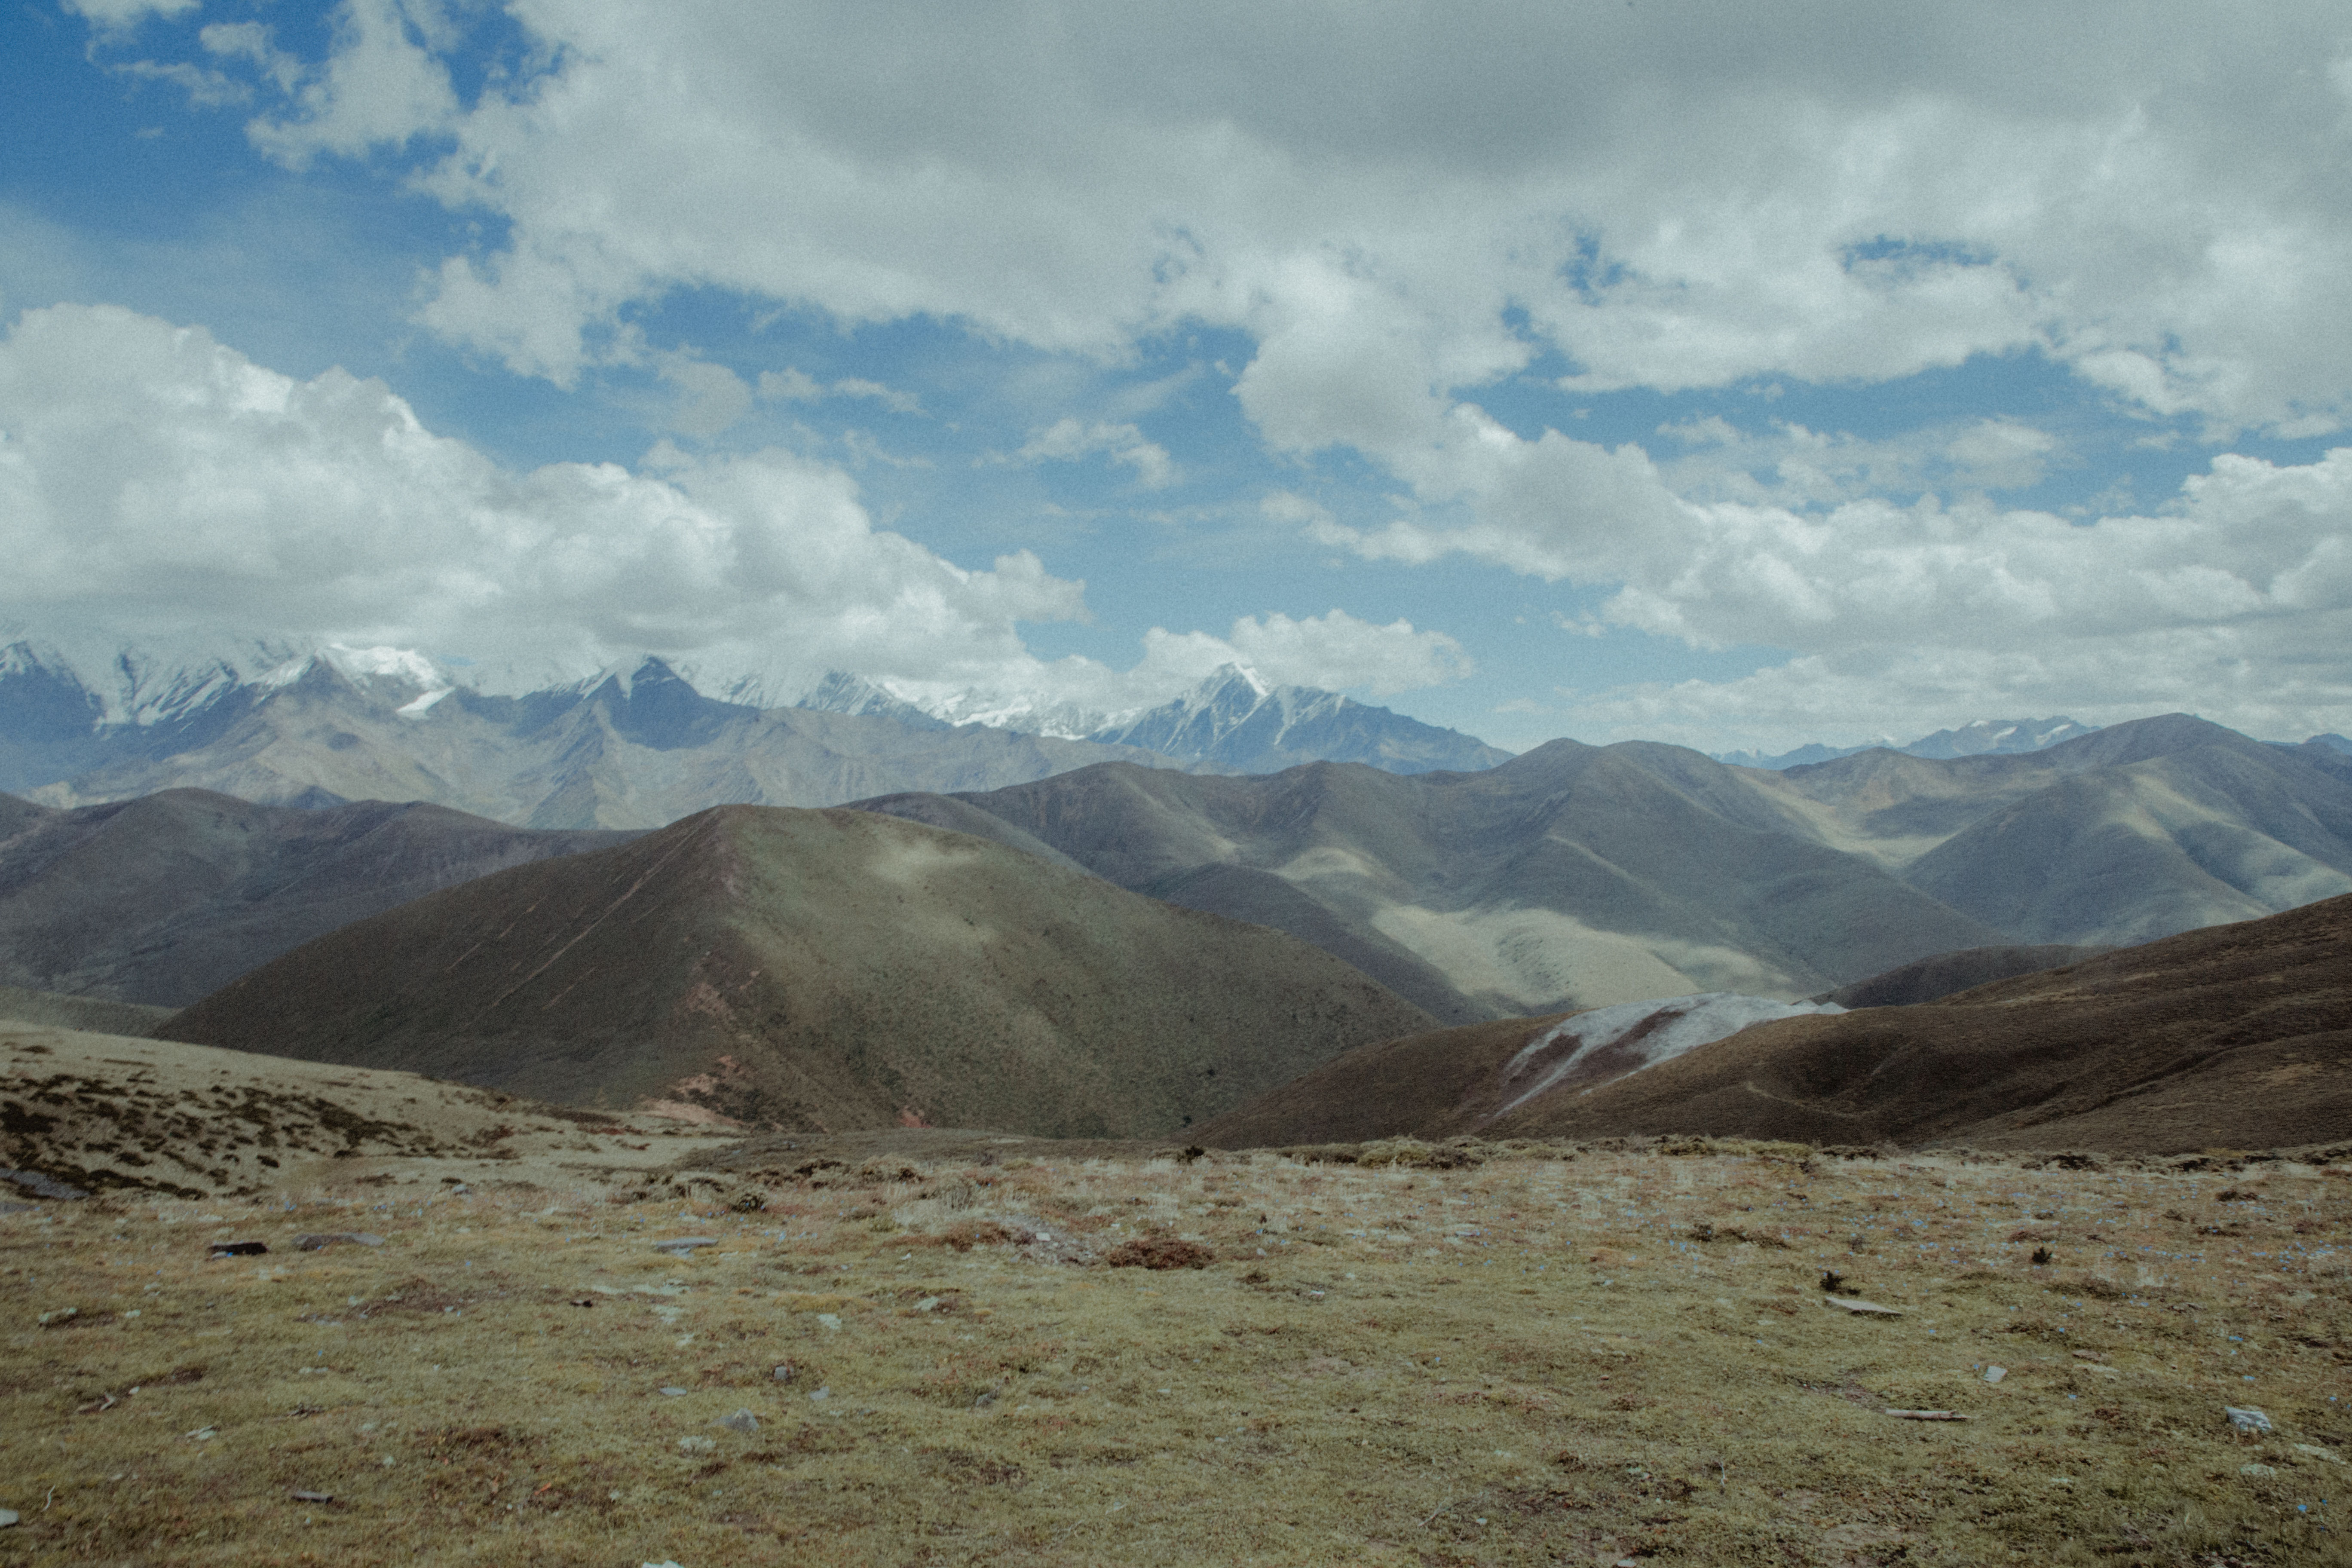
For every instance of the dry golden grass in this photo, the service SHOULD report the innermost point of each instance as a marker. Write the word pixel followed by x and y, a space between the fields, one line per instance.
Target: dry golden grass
pixel 1618 1354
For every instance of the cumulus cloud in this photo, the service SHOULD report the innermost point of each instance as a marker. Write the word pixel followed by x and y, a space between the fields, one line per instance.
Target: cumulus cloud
pixel 1334 651
pixel 155 482
pixel 122 16
pixel 1069 440
pixel 1673 196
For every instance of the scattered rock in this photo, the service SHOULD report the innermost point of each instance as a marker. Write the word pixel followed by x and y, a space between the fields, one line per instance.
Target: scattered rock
pixel 61 1315
pixel 583 1300
pixel 314 1497
pixel 204 1433
pixel 2316 1452
pixel 1995 1373
pixel 783 1372
pixel 2258 1472
pixel 822 1395
pixel 1159 1252
pixel 829 1321
pixel 743 1421
pixel 697 1444
pixel 42 1186
pixel 673 1391
pixel 679 1246
pixel 7 1517
pixel 1860 1309
pixel 239 1248
pixel 321 1242
pixel 2246 1420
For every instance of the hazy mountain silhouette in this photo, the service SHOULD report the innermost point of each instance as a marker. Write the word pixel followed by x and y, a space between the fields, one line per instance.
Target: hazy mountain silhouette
pixel 163 898
pixel 819 969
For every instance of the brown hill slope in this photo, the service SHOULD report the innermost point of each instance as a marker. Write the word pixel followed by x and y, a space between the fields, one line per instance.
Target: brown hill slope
pixel 1943 974
pixel 2238 1035
pixel 826 969
pixel 161 899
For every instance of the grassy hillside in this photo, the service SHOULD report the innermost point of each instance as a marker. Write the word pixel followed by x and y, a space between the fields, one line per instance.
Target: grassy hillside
pixel 819 969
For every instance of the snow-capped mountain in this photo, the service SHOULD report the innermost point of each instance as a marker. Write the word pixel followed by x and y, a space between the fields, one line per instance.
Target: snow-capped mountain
pixel 1979 738
pixel 1233 722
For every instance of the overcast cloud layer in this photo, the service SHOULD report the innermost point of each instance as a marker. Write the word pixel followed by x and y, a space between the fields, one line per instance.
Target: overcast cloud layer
pixel 1441 239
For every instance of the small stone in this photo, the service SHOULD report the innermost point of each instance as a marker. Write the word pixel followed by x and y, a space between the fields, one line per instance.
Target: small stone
pixel 7 1517
pixel 1860 1309
pixel 2258 1472
pixel 61 1315
pixel 314 1497
pixel 831 1324
pixel 1995 1373
pixel 239 1248
pixel 928 1304
pixel 679 1246
pixel 2246 1420
pixel 743 1421
pixel 325 1239
pixel 673 1391
pixel 204 1433
pixel 783 1372
pixel 822 1395
pixel 697 1444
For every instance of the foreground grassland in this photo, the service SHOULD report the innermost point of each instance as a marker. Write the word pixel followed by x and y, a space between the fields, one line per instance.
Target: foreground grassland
pixel 1535 1359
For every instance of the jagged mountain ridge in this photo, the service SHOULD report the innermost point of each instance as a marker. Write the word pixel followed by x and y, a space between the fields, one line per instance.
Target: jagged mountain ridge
pixel 1982 737
pixel 1233 721
pixel 631 749
pixel 635 746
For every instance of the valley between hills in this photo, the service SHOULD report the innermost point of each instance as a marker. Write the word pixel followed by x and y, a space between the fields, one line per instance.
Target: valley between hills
pixel 1605 1155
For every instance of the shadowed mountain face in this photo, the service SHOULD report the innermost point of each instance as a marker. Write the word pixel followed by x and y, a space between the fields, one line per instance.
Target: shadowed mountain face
pixel 2237 1036
pixel 817 969
pixel 161 899
pixel 627 752
pixel 1580 877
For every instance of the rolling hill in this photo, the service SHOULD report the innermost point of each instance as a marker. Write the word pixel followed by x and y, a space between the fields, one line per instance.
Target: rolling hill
pixel 2236 1035
pixel 1578 876
pixel 161 898
pixel 817 969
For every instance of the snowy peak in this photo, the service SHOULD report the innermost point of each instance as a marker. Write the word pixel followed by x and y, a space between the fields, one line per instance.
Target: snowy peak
pixel 1980 737
pixel 1234 721
pixel 1997 736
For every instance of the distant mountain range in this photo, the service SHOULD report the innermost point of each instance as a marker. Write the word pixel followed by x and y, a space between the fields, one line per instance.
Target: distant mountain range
pixel 631 748
pixel 166 897
pixel 1984 737
pixel 1232 722
pixel 1579 876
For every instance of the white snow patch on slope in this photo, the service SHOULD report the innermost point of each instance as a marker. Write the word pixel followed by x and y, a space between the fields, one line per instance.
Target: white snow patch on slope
pixel 1640 1035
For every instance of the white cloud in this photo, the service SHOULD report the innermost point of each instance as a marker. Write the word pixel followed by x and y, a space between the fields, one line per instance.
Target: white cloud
pixel 122 15
pixel 790 384
pixel 1675 196
pixel 1069 440
pixel 383 86
pixel 1335 651
pixel 155 483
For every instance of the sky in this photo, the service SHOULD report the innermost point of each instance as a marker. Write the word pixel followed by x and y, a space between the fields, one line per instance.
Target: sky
pixel 1732 375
